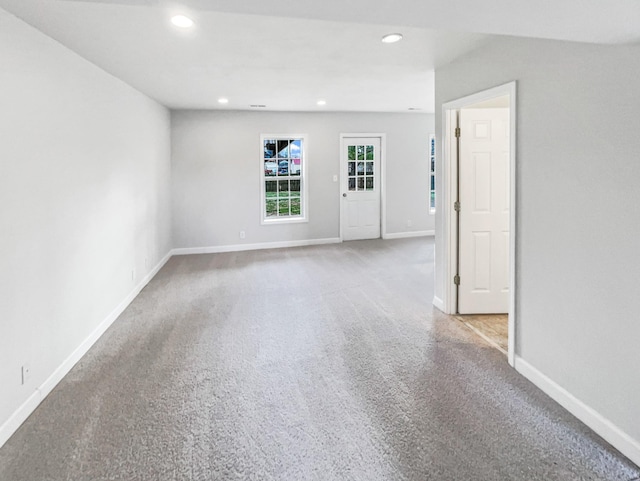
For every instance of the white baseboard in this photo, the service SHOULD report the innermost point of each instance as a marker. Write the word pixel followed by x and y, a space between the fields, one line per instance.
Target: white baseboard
pixel 21 414
pixel 439 303
pixel 404 235
pixel 602 426
pixel 24 411
pixel 253 247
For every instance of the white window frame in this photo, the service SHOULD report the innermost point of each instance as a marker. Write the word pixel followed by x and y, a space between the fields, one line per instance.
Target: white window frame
pixel 304 160
pixel 432 173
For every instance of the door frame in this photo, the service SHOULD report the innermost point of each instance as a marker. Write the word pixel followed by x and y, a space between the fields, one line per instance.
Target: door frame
pixel 450 184
pixel 383 175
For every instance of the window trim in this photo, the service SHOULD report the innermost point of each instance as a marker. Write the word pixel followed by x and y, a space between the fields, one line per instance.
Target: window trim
pixel 264 220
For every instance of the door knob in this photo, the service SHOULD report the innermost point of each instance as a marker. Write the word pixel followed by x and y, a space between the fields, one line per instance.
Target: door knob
pixel 344 195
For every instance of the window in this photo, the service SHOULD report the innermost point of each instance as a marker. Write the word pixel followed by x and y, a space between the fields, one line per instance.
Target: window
pixel 283 167
pixel 432 174
pixel 360 167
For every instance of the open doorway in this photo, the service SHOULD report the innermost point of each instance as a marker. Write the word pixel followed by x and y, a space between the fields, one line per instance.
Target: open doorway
pixel 479 212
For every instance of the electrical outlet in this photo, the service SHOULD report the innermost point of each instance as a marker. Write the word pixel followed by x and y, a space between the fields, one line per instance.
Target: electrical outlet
pixel 242 236
pixel 133 274
pixel 409 223
pixel 146 262
pixel 26 373
pixel 335 178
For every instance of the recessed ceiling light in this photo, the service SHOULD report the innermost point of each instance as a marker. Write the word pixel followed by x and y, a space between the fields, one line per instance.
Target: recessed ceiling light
pixel 182 21
pixel 322 102
pixel 223 100
pixel 392 38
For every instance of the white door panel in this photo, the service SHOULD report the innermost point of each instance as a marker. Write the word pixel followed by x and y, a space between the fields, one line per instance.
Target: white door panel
pixel 352 215
pixel 481 252
pixel 481 182
pixel 360 188
pixel 369 210
pixel 484 211
pixel 504 180
pixel 503 267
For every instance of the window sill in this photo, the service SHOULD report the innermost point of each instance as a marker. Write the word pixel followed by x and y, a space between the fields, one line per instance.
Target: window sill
pixel 278 221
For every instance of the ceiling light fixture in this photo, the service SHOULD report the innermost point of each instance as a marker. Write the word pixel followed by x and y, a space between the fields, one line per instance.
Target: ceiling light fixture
pixel 223 100
pixel 392 38
pixel 182 21
pixel 322 102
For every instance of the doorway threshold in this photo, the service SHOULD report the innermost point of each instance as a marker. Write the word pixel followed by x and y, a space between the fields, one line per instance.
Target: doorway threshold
pixel 493 328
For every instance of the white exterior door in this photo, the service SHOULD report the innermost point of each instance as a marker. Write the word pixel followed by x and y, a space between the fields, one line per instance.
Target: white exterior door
pixel 484 211
pixel 360 209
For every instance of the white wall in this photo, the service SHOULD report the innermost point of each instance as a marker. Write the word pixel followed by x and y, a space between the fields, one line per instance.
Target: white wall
pixel 216 173
pixel 578 218
pixel 84 200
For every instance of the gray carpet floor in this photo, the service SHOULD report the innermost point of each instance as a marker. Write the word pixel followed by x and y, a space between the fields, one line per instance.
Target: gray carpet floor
pixel 320 363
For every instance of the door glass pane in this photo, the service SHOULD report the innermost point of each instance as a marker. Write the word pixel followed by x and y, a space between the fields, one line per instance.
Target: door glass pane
pixel 352 183
pixel 369 183
pixel 369 168
pixel 360 183
pixel 369 152
pixel 360 152
pixel 352 168
pixel 360 168
pixel 352 152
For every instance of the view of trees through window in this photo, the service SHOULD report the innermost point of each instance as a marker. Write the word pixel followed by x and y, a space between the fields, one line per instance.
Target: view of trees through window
pixel 282 164
pixel 432 173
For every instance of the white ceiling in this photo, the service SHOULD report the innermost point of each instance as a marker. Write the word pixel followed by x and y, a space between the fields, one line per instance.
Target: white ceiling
pixel 287 54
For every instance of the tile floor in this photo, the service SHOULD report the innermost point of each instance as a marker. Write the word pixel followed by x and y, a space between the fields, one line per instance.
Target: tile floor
pixel 492 327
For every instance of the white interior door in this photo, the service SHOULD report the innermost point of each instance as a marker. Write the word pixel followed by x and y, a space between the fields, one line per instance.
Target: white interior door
pixel 360 211
pixel 484 211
